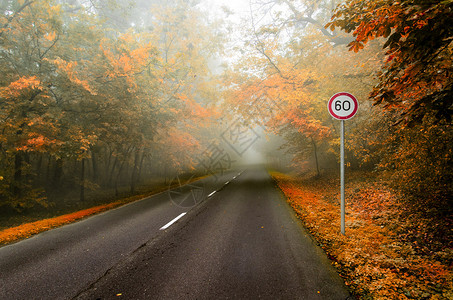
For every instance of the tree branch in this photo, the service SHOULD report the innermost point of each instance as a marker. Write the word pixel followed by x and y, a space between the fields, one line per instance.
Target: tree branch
pixel 11 18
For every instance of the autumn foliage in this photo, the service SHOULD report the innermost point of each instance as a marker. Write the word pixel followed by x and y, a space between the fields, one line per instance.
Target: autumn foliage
pixel 92 98
pixel 396 58
pixel 374 258
pixel 85 97
pixel 416 80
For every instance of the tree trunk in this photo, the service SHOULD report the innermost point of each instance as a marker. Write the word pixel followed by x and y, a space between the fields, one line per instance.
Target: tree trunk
pixel 110 182
pixel 141 166
pixel 315 150
pixel 39 167
pixel 118 177
pixel 58 172
pixel 94 165
pixel 28 174
pixel 108 157
pixel 49 162
pixel 18 163
pixel 82 181
pixel 134 176
pixel 121 170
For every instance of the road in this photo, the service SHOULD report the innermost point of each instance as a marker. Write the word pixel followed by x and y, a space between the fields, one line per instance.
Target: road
pixel 242 242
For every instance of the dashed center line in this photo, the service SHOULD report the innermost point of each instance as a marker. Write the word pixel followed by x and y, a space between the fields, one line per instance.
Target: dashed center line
pixel 182 215
pixel 172 221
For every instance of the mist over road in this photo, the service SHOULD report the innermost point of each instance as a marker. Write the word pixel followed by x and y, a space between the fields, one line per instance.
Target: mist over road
pixel 242 242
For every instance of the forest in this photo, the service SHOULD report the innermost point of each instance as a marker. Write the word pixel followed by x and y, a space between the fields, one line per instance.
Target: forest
pixel 96 96
pixel 100 98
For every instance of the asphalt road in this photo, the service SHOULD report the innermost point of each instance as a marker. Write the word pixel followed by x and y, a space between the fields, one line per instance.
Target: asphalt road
pixel 241 242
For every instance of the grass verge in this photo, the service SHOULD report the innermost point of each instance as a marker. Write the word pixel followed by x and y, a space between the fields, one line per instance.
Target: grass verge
pixel 374 262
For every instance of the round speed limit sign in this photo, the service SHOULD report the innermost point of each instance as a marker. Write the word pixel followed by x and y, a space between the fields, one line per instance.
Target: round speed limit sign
pixel 343 106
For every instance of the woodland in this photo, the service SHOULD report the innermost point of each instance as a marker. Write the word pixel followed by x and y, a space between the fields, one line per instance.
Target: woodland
pixel 100 95
pixel 112 95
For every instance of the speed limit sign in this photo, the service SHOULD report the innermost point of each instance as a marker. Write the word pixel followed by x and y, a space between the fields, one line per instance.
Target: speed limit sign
pixel 343 106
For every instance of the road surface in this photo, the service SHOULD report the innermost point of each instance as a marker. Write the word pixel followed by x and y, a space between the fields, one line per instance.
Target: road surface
pixel 241 242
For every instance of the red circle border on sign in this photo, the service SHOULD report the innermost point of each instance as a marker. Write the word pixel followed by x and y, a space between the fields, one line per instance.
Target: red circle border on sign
pixel 329 106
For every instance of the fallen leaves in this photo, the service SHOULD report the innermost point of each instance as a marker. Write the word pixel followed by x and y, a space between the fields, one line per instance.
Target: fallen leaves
pixel 26 230
pixel 374 262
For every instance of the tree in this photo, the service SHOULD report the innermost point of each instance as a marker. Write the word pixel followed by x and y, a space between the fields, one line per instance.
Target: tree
pixel 29 35
pixel 416 80
pixel 86 93
pixel 295 64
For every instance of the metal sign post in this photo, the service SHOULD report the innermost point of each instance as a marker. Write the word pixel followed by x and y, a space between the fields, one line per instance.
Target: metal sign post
pixel 342 106
pixel 342 203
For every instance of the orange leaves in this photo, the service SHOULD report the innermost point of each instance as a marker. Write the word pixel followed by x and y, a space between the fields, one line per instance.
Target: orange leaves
pixel 69 68
pixel 125 62
pixel 26 230
pixel 141 55
pixel 50 36
pixel 193 108
pixel 126 56
pixel 179 147
pixel 18 87
pixel 373 260
pixel 37 142
pixel 355 46
pixel 306 124
pixel 416 35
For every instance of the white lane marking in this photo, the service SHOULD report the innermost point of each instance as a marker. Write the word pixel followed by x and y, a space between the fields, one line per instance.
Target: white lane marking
pixel 227 182
pixel 172 221
pixel 211 194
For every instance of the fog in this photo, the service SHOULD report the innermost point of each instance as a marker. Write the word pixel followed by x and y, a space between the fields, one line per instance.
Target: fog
pixel 112 98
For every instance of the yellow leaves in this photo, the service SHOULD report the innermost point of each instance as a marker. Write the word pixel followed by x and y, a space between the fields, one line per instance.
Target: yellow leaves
pixel 67 67
pixel 179 146
pixel 191 107
pixel 82 141
pixel 282 98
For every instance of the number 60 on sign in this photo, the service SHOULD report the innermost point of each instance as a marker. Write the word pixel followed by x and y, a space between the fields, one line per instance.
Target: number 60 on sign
pixel 343 106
